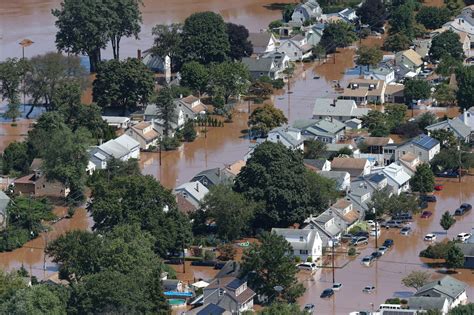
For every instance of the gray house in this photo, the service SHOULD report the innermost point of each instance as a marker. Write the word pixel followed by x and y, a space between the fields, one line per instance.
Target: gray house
pixel 212 177
pixel 4 201
pixel 447 287
pixel 324 130
pixel 122 148
pixel 272 65
pixel 456 126
pixel 422 146
pixel 230 293
pixel 328 224
pixel 468 251
pixel 342 110
pixel 342 179
pixel 262 42
pixel 306 11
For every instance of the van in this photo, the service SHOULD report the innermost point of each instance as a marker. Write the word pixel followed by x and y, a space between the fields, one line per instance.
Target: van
pixel 390 307
pixel 360 240
pixel 307 266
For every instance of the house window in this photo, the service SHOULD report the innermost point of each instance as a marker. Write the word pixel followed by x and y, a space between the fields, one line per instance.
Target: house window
pixel 419 153
pixel 301 238
pixel 296 54
pixel 403 152
pixel 221 292
pixel 303 252
pixel 289 45
pixel 278 137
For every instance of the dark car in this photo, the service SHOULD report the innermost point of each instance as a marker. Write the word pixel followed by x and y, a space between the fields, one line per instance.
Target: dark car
pixel 327 293
pixel 466 207
pixel 347 238
pixel 403 217
pixel 376 255
pixel 219 265
pixel 361 234
pixel 448 174
pixel 426 214
pixel 204 263
pixel 461 211
pixel 388 243
pixel 428 198
pixel 423 204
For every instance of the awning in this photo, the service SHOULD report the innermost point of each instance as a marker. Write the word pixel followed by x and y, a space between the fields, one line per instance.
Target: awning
pixel 200 284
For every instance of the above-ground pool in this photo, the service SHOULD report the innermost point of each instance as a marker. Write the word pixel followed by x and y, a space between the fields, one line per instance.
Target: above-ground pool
pixel 177 302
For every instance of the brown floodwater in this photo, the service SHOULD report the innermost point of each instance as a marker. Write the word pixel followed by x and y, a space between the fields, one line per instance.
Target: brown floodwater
pixel 32 19
pixel 9 133
pixel 386 273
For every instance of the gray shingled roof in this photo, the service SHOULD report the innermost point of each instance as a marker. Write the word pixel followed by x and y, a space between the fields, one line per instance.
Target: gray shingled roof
pixel 446 286
pixel 426 302
pixel 4 201
pixel 258 65
pixel 323 107
pixel 283 132
pixel 456 125
pixel 259 41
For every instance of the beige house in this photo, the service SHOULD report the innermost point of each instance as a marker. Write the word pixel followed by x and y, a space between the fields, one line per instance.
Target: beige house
pixel 409 59
pixel 395 93
pixel 145 134
pixel 364 91
pixel 354 166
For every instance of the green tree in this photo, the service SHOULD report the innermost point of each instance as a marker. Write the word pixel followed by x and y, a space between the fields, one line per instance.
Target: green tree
pixel 369 56
pixel 268 265
pixel 433 17
pixel 416 279
pixel 395 114
pixel 314 149
pixel 11 73
pixel 82 28
pixel 125 84
pixel 337 35
pixel 372 12
pixel 322 191
pixel 282 309
pixel 445 137
pixel 449 159
pixel 446 43
pixel 288 12
pixel 167 42
pixel 426 119
pixel 47 73
pixel 189 133
pixel 204 38
pixel 319 51
pixel 397 42
pixel 10 282
pixel 124 19
pixel 465 80
pixel 377 123
pixel 228 79
pixel 445 95
pixel 448 65
pixel 454 258
pixel 462 309
pixel 423 181
pixel 265 118
pixel 260 89
pixel 240 46
pixel 15 158
pixel 195 76
pixel 402 21
pixel 416 90
pixel 275 176
pixel 166 109
pixel 447 220
pixel 230 211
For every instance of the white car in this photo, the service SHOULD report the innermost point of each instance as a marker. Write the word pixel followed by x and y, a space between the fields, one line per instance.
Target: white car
pixel 307 266
pixel 368 289
pixel 463 237
pixel 374 232
pixel 382 250
pixel 370 223
pixel 336 286
pixel 430 237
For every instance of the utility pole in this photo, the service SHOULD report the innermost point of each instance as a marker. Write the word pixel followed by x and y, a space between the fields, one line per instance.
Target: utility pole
pixel 333 267
pixel 460 162
pixel 376 229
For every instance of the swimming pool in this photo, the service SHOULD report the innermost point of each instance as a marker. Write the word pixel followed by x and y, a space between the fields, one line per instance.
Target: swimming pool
pixel 177 302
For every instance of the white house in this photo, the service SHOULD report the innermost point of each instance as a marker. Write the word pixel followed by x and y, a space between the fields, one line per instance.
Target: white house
pixel 328 224
pixel 145 133
pixel 193 192
pixel 410 60
pixel 342 179
pixel 422 146
pixel 289 137
pixel 467 117
pixel 118 122
pixel 309 10
pixel 397 178
pixel 429 303
pixel 381 73
pixel 409 162
pixel 306 243
pixel 263 42
pixel 122 148
pixel 448 287
pixel 271 64
pixel 227 295
pixel 342 110
pixel 327 131
pixel 464 22
pixel 296 48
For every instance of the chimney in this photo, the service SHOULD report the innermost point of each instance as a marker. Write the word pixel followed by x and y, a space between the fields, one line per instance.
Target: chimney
pixel 139 54
pixel 219 173
pixel 197 186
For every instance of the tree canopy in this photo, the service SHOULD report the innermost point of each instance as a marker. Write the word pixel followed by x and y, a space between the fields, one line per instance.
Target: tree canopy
pixel 240 46
pixel 337 35
pixel 465 92
pixel 416 90
pixel 423 181
pixel 433 17
pixel 265 118
pixel 372 12
pixel 416 279
pixel 446 43
pixel 369 56
pixel 167 42
pixel 195 76
pixel 228 79
pixel 447 220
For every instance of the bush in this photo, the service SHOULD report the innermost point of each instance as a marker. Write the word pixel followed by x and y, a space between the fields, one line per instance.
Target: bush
pixel 258 100
pixel 352 251
pixel 13 238
pixel 355 229
pixel 393 301
pixel 170 143
pixel 278 84
pixel 189 133
pixel 227 251
pixel 437 251
pixel 180 91
pixel 209 255
pixel 70 211
pixel 297 259
pixel 309 259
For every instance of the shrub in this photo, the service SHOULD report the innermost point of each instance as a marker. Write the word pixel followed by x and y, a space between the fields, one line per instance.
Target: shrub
pixel 170 143
pixel 258 100
pixel 393 301
pixel 70 211
pixel 355 229
pixel 209 255
pixel 309 259
pixel 352 251
pixel 297 259
pixel 278 84
pixel 227 251
pixel 13 238
pixel 437 251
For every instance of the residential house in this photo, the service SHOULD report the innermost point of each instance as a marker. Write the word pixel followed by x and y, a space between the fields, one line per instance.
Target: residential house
pixel 463 23
pixel 410 60
pixel 320 165
pixel 184 204
pixel 342 179
pixel 307 11
pixel 208 309
pixel 426 303
pixel 194 192
pixel 395 93
pixel 348 15
pixel 342 110
pixel 213 177
pixel 422 146
pixel 467 117
pixel 156 63
pixel 360 193
pixel 397 178
pixel 466 41
pixel 422 46
pixel 314 33
pixel 456 125
pixel 409 162
pixel 448 287
pixel 363 91
pixel 296 48
pixel 333 148
pixel 234 169
pixel 375 145
pixel 289 137
pixel 324 130
pixel 145 133
pixel 152 113
pixel 231 268
pixel 117 122
pixel 380 73
pixel 230 293
pixel 191 106
pixel 36 184
pixel 468 251
pixel 122 148
pixel 306 243
pixel 345 210
pixel 354 166
pixel 328 224
pixel 272 65
pixel 262 42
pixel 377 181
pixel 353 123
pixel 4 201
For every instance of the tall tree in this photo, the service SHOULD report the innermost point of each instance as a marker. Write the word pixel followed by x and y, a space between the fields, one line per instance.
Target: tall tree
pixel 166 109
pixel 229 79
pixel 314 149
pixel 446 138
pixel 337 35
pixel 270 264
pixel 167 42
pixel 15 158
pixel 454 258
pixel 82 28
pixel 465 93
pixel 433 17
pixel 447 221
pixel 462 309
pixel 402 20
pixel 416 279
pixel 11 73
pixel 125 84
pixel 38 299
pixel 416 90
pixel 204 38
pixel 195 76
pixel 372 12
pixel 445 95
pixel 423 181
pixel 265 118
pixel 240 46
pixel 369 56
pixel 397 42
pixel 447 43
pixel 125 18
pixel 426 119
pixel 282 309
pixel 448 65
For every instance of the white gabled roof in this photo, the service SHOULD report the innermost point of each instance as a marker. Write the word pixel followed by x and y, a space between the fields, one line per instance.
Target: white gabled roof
pixel 396 173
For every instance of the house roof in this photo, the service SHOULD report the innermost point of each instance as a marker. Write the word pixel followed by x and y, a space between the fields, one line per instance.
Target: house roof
pixel 397 173
pixel 214 175
pixel 115 119
pixel 413 56
pixel 297 37
pixel 348 163
pixel 230 269
pixel 258 64
pixel 377 141
pixel 235 167
pixel 456 125
pixel 315 163
pixel 284 133
pixel 376 178
pixel 195 189
pixel 337 107
pixel 408 157
pixel 333 126
pixel 447 286
pixel 293 237
pixel 260 41
pixel 425 142
pixel 334 147
pixel 341 204
pixel 151 110
pixel 120 146
pixel 27 179
pixel 354 120
pixel 338 176
pixel 426 302
pixel 394 88
pixel 184 205
pixel 231 284
pixel 211 309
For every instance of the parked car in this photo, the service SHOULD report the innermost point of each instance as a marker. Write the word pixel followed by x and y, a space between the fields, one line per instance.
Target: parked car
pixel 430 237
pixel 463 209
pixel 438 187
pixel 360 240
pixel 368 289
pixel 337 286
pixel 405 230
pixel 375 232
pixel 392 224
pixel 382 250
pixel 346 238
pixel 307 266
pixel 367 260
pixel 376 255
pixel 362 234
pixel 219 265
pixel 388 243
pixel 309 308
pixel 327 293
pixel 428 198
pixel 448 174
pixel 422 204
pixel 204 263
pixel 403 217
pixel 370 223
pixel 426 214
pixel 463 237
pixel 466 207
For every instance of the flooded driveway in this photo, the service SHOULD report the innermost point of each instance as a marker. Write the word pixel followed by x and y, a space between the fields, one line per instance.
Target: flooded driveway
pixel 386 273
